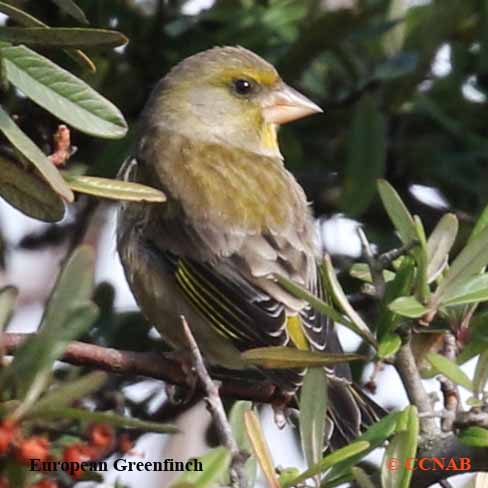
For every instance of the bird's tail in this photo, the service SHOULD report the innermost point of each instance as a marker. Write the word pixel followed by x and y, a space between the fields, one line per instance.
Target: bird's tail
pixel 350 411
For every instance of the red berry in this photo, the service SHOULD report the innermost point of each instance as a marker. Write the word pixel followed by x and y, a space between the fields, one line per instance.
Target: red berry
pixel 101 435
pixel 32 448
pixel 7 433
pixel 78 453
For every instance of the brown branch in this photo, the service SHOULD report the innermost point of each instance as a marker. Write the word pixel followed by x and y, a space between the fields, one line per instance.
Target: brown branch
pixel 149 364
pixel 409 373
pixel 216 408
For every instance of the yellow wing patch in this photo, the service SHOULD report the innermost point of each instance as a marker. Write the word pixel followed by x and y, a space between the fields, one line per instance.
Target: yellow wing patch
pixel 295 331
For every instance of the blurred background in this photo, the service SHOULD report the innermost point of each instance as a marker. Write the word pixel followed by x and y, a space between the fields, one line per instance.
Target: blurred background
pixel 403 84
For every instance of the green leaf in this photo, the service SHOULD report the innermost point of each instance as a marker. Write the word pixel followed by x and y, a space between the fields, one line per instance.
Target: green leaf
pixel 450 370
pixel 236 420
pixel 215 463
pixel 398 212
pixel 480 225
pixel 67 393
pixel 260 448
pixel 59 92
pixel 105 418
pixel 313 409
pixel 375 435
pixel 366 153
pixel 469 262
pixel 481 374
pixel 439 245
pixel 28 149
pixel 361 478
pixel 474 436
pixel 8 297
pixel 473 290
pixel 362 272
pixel 356 323
pixel 400 286
pixel 68 314
pixel 330 460
pixel 389 345
pixel 66 37
pixel 29 193
pixel 70 8
pixel 421 258
pixel 402 446
pixel 408 307
pixel 282 357
pixel 115 189
pixel 318 304
pixel 33 374
pixel 23 18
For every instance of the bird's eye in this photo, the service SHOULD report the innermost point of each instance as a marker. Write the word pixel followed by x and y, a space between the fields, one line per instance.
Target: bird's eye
pixel 243 86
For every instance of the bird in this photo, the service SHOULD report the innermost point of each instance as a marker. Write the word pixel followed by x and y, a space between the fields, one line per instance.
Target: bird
pixel 234 218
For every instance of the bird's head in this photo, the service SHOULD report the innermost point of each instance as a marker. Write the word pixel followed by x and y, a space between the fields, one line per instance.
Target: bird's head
pixel 227 95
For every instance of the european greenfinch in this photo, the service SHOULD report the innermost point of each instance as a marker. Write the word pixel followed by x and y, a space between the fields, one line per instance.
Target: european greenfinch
pixel 234 218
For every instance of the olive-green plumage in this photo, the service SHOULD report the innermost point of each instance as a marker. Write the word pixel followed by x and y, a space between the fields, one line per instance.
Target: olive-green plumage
pixel 234 217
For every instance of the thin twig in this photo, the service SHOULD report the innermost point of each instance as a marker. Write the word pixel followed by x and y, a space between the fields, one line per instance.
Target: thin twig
pixel 388 257
pixel 375 266
pixel 448 388
pixel 217 410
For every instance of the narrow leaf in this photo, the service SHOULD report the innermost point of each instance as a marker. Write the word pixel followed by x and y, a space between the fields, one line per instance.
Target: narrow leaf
pixel 28 149
pixel 236 420
pixel 402 446
pixel 366 154
pixel 67 393
pixel 469 262
pixel 481 374
pixel 480 225
pixel 106 417
pixel 115 189
pixel 450 370
pixel 361 478
pixel 398 212
pixel 260 448
pixel 66 37
pixel 473 290
pixel 330 460
pixel 282 357
pixel 28 192
pixel 59 92
pixel 318 304
pixel 70 7
pixel 421 258
pixel 439 245
pixel 358 324
pixel 313 409
pixel 23 18
pixel 474 436
pixel 408 307
pixel 362 272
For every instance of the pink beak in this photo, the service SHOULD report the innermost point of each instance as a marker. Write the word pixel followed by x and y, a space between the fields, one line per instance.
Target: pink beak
pixel 287 104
